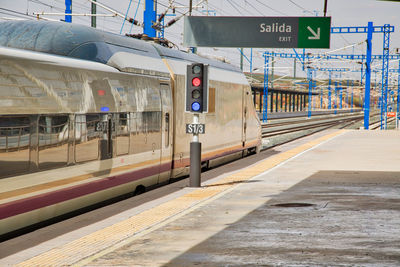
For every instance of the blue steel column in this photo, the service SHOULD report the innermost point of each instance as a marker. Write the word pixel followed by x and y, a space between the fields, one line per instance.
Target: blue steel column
pixel 265 104
pixel 398 92
pixel 362 67
pixel 347 93
pixel 310 84
pixel 321 98
pixel 341 96
pixel 68 10
pixel 149 17
pixel 385 73
pixel 336 98
pixel 368 76
pixel 352 84
pixel 330 92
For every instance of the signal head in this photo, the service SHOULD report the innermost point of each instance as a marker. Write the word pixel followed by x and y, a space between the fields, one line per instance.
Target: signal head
pixel 196 88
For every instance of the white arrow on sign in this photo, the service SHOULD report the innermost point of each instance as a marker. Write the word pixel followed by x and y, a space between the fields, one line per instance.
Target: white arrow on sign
pixel 316 35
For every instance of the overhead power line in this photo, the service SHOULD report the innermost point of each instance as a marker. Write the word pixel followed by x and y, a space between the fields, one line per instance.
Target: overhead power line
pixel 235 7
pixel 256 9
pixel 269 7
pixel 16 12
pixel 294 3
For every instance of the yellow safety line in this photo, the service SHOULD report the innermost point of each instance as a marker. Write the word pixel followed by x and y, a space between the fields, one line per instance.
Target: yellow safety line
pixel 96 244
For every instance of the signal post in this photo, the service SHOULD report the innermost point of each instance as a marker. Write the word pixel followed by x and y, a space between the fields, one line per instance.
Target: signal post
pixel 196 103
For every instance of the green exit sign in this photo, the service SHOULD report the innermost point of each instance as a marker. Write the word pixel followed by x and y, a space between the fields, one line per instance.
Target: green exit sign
pixel 314 32
pixel 261 32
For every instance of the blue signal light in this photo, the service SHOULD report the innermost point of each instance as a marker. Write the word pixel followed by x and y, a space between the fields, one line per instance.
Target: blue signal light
pixel 195 106
pixel 105 109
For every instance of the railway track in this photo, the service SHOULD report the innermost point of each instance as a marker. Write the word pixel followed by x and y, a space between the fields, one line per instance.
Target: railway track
pixel 277 127
pixel 376 125
pixel 280 131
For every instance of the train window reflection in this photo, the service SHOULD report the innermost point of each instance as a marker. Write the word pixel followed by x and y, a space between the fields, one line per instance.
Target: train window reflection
pixel 145 128
pixel 123 134
pixel 53 141
pixel 14 145
pixel 151 121
pixel 134 131
pixel 86 138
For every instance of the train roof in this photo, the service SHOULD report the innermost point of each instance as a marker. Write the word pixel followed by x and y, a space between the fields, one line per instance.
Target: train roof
pixel 71 40
pixel 78 41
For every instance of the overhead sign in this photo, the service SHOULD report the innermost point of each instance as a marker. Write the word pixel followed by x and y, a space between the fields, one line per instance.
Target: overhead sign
pixel 262 32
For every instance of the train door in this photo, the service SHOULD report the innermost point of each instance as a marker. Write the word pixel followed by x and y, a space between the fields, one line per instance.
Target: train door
pixel 166 132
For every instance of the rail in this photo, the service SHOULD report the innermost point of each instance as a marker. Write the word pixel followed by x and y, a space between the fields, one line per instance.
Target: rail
pixel 280 131
pixel 278 127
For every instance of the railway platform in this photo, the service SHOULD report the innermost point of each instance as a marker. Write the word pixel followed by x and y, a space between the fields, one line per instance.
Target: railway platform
pixel 330 199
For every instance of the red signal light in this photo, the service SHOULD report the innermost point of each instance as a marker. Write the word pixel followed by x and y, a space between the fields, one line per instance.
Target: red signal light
pixel 196 81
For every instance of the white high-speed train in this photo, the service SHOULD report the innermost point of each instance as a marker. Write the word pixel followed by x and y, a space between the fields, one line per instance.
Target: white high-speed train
pixel 86 116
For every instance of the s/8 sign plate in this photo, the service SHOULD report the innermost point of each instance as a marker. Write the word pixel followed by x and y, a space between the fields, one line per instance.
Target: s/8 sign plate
pixel 195 128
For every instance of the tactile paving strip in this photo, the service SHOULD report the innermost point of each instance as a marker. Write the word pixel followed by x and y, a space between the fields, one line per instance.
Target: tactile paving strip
pixel 96 244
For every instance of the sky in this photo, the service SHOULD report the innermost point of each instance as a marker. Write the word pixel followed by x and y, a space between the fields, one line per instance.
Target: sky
pixel 342 12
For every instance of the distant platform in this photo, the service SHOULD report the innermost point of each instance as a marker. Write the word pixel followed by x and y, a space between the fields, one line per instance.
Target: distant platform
pixel 330 199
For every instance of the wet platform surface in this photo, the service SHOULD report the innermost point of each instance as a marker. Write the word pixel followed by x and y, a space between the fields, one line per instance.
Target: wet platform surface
pixel 330 202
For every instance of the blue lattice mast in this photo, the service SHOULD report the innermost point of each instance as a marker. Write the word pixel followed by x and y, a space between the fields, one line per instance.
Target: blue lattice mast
pixel 336 97
pixel 385 75
pixel 352 85
pixel 330 91
pixel 398 93
pixel 386 29
pixel 310 86
pixel 265 103
pixel 330 70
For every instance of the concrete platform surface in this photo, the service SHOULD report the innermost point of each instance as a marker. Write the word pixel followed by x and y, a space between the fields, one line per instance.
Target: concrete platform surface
pixel 333 203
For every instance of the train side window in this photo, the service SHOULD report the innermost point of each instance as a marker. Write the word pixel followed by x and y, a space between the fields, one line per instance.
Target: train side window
pixel 134 131
pixel 86 137
pixel 53 141
pixel 154 135
pixel 211 100
pixel 123 134
pixel 145 131
pixel 14 145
